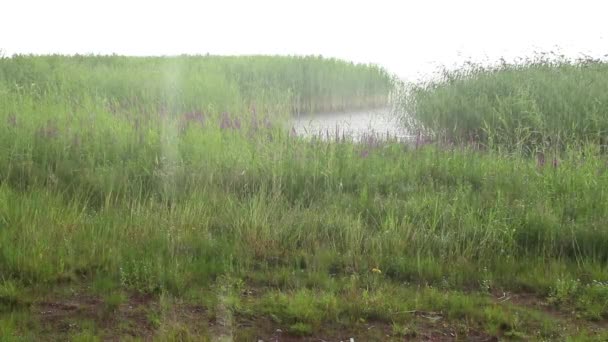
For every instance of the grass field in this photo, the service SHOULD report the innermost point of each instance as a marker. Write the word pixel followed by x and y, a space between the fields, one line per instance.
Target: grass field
pixel 165 199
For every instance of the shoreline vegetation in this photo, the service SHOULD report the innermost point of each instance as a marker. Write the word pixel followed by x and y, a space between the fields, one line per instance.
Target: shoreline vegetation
pixel 162 199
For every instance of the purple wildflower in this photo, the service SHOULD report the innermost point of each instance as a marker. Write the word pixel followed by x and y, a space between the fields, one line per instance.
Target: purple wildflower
pixel 49 131
pixel 226 122
pixel 191 117
pixel 540 159
pixel 194 116
pixel 12 120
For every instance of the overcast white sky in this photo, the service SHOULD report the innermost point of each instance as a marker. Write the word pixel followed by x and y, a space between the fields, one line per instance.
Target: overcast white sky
pixel 406 37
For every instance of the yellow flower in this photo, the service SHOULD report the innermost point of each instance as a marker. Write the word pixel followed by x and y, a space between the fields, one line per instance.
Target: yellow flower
pixel 376 270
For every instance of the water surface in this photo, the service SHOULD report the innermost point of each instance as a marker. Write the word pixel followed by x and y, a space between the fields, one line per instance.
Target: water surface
pixel 355 124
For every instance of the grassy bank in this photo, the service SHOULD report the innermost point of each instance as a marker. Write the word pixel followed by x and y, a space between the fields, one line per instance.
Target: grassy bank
pixel 129 211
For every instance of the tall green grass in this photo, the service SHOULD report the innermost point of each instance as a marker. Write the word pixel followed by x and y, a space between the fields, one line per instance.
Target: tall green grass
pixel 536 103
pixel 163 180
pixel 417 215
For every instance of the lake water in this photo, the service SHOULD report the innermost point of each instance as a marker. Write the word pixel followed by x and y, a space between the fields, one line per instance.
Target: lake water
pixel 355 124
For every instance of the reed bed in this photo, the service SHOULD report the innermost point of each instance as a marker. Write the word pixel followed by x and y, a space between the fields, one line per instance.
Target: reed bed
pixel 544 102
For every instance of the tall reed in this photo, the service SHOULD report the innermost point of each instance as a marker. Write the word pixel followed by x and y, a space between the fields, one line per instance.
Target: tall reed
pixel 538 103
